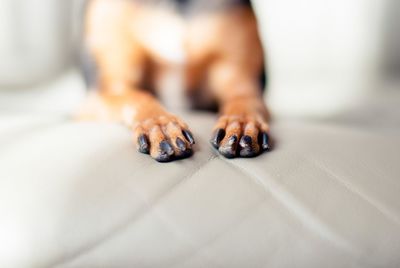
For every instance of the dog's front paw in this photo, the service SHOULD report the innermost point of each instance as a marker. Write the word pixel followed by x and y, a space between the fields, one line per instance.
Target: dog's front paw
pixel 241 135
pixel 164 137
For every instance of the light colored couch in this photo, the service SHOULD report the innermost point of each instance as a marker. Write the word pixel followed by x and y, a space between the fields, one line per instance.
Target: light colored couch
pixel 76 194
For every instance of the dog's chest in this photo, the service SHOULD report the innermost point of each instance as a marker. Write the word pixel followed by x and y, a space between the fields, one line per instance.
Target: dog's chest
pixel 163 33
pixel 169 28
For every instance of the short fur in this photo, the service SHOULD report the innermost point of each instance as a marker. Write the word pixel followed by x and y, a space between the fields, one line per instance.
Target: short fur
pixel 132 43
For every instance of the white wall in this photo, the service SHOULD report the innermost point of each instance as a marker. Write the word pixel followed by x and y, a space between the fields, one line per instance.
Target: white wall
pixel 34 40
pixel 322 55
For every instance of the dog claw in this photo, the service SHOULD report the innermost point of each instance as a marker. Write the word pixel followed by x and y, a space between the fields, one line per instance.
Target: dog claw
pixel 166 152
pixel 264 141
pixel 188 136
pixel 246 144
pixel 184 151
pixel 144 146
pixel 229 149
pixel 166 147
pixel 233 140
pixel 217 137
pixel 180 144
pixel 246 141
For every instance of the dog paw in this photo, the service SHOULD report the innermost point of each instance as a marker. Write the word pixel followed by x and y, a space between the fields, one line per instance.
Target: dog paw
pixel 165 138
pixel 241 136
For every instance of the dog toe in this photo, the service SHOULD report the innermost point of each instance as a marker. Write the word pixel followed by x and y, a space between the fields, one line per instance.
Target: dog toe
pixel 219 134
pixel 165 152
pixel 181 139
pixel 143 144
pixel 164 138
pixel 264 141
pixel 229 146
pixel 239 136
pixel 247 147
pixel 188 136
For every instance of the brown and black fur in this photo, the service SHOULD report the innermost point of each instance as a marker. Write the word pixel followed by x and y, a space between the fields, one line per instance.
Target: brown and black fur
pixel 223 62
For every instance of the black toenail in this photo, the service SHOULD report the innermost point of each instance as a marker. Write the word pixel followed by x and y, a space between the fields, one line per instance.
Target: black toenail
pixel 166 148
pixel 181 144
pixel 232 140
pixel 246 141
pixel 219 134
pixel 264 141
pixel 188 136
pixel 229 148
pixel 144 146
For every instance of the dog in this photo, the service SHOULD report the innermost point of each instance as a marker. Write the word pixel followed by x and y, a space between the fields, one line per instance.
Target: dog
pixel 216 44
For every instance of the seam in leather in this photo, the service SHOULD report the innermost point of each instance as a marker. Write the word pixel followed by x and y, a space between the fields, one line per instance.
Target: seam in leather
pixel 85 250
pixel 299 211
pixel 389 215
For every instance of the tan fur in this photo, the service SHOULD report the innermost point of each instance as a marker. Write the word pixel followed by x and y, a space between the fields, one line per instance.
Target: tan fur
pixel 221 52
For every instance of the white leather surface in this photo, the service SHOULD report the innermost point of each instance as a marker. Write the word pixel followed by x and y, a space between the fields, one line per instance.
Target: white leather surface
pixel 78 195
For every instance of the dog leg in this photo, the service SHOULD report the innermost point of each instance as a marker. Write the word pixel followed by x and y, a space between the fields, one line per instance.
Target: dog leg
pixel 121 65
pixel 242 128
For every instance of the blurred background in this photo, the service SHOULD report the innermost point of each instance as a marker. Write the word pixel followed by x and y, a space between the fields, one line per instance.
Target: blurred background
pixel 322 55
pixel 336 61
